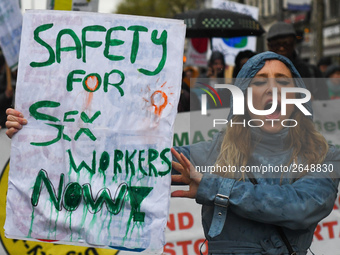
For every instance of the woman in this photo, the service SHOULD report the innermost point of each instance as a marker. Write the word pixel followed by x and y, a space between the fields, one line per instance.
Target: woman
pixel 240 59
pixel 246 214
pixel 216 74
pixel 252 213
pixel 216 65
pixel 333 81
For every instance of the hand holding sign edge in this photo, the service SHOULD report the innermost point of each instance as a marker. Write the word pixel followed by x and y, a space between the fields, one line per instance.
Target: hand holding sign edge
pixel 15 121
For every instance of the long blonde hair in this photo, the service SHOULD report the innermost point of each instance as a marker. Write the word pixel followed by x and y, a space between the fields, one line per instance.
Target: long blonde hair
pixel 236 147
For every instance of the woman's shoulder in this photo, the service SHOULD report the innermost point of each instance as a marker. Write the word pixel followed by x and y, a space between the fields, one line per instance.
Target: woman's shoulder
pixel 333 153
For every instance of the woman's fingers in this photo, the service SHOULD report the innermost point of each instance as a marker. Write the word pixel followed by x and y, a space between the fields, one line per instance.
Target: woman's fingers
pixel 188 176
pixel 177 166
pixel 178 157
pixel 183 177
pixel 15 116
pixel 11 131
pixel 194 175
pixel 185 167
pixel 13 124
pixel 180 179
pixel 20 120
pixel 185 160
pixel 11 111
pixel 175 153
pixel 15 121
pixel 183 193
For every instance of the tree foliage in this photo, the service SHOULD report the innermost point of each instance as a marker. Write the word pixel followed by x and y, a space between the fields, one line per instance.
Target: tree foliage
pixel 156 8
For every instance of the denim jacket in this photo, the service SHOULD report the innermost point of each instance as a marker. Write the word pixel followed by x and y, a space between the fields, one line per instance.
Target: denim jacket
pixel 239 217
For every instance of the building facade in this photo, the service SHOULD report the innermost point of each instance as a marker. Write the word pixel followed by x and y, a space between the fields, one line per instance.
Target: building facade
pixel 300 14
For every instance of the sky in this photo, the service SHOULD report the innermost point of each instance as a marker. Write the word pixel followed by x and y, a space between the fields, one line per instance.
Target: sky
pixel 105 6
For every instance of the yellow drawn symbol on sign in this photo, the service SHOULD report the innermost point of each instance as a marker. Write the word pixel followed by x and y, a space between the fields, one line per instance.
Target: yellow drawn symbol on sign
pixel 22 247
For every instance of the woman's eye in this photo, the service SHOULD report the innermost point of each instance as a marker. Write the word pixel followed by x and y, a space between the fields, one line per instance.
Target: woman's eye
pixel 258 82
pixel 283 82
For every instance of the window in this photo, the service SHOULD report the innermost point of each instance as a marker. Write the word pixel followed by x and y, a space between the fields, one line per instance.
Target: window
pixel 334 8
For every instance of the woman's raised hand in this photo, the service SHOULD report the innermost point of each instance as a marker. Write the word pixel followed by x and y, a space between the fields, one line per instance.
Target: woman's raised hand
pixel 188 176
pixel 15 121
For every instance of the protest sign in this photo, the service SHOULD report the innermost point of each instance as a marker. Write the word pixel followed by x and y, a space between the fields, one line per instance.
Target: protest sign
pixel 197 52
pixel 10 31
pixel 74 5
pixel 327 119
pixel 100 93
pixel 85 5
pixel 230 47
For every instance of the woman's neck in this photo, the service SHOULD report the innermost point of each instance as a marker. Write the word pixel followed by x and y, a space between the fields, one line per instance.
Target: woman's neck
pixel 276 141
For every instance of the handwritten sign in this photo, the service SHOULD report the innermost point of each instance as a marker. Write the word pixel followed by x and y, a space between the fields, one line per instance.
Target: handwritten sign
pixel 100 93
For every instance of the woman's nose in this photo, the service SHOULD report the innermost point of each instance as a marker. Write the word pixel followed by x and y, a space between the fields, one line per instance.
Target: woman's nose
pixel 281 48
pixel 271 84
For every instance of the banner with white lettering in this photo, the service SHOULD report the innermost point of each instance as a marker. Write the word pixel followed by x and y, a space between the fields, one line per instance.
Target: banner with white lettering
pixel 100 93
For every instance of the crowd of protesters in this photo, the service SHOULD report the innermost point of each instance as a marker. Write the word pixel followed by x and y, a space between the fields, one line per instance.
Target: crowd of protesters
pixel 281 39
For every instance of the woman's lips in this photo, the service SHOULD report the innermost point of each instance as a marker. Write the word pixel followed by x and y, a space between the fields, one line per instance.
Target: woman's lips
pixel 277 111
pixel 274 115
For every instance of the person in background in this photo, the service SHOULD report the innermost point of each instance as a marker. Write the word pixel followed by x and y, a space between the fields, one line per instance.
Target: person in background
pixel 333 81
pixel 216 65
pixel 324 63
pixel 216 74
pixel 188 100
pixel 240 59
pixel 190 73
pixel 213 75
pixel 281 39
